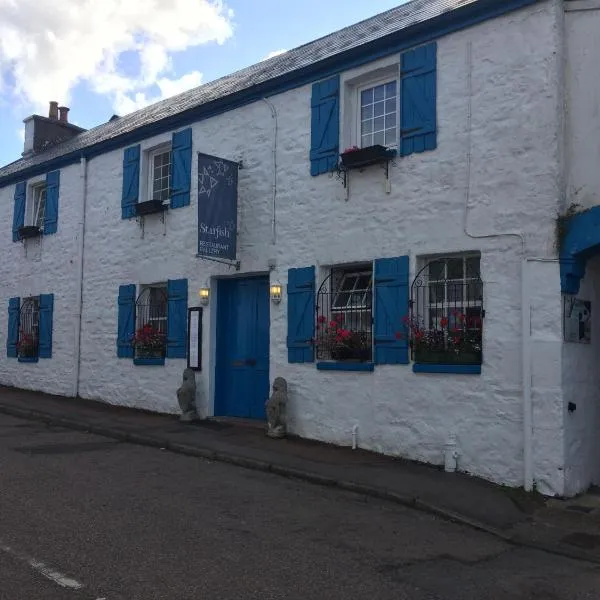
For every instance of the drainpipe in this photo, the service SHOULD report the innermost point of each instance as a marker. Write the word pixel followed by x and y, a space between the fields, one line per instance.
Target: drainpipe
pixel 274 186
pixel 79 299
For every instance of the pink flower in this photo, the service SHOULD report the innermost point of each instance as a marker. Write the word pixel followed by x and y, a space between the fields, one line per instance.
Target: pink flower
pixel 321 319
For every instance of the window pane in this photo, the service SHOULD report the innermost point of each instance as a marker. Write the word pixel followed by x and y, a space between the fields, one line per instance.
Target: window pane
pixel 390 107
pixel 379 138
pixel 379 108
pixel 390 121
pixel 455 291
pixel 473 266
pixel 348 282
pixel 379 92
pixel 367 140
pixel 378 124
pixel 341 300
pixel 367 127
pixel 363 282
pixel 436 270
pixel 390 137
pixel 436 292
pixel 455 268
pixel 366 96
pixel 366 112
pixel 390 89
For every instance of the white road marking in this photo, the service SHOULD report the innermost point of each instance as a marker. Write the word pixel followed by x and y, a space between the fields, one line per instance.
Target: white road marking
pixel 43 569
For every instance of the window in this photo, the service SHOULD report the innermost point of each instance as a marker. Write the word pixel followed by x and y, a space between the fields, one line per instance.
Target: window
pixel 344 316
pixel 446 321
pixel 150 339
pixel 29 330
pixel 159 171
pixel 37 205
pixel 378 114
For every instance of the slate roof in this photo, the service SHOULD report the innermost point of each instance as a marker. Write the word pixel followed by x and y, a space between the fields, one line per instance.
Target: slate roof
pixel 389 22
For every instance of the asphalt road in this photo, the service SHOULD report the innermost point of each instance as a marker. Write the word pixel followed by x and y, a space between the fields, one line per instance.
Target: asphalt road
pixel 86 518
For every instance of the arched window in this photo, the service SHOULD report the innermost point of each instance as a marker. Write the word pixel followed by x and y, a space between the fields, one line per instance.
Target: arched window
pixel 446 321
pixel 150 339
pixel 344 320
pixel 29 331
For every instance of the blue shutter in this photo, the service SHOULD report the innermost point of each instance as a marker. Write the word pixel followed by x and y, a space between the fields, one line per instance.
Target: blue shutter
pixel 181 168
pixel 391 307
pixel 51 210
pixel 14 313
pixel 418 99
pixel 131 181
pixel 126 328
pixel 325 125
pixel 18 210
pixel 301 315
pixel 46 314
pixel 177 298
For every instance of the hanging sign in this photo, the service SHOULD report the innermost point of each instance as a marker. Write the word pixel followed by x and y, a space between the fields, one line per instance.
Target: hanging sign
pixel 217 207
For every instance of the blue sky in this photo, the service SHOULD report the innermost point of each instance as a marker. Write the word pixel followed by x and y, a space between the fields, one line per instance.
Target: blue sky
pixel 89 61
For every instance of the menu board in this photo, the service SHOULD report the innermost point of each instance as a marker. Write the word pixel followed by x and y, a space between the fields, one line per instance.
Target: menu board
pixel 194 349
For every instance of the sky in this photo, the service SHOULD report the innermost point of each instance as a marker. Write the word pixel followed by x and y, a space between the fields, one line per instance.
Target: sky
pixel 105 57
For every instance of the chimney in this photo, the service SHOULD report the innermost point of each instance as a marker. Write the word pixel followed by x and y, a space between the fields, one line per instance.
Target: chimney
pixel 53 112
pixel 64 114
pixel 42 133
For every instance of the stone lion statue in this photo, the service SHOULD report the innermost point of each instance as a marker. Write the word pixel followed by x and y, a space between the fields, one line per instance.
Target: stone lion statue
pixel 186 396
pixel 275 409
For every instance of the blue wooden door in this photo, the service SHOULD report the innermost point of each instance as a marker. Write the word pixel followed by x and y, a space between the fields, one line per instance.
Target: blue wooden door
pixel 242 384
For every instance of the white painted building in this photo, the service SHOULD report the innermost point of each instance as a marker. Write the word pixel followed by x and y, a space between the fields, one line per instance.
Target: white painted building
pixel 421 293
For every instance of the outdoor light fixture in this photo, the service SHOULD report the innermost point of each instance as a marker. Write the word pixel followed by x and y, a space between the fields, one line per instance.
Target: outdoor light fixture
pixel 275 291
pixel 204 294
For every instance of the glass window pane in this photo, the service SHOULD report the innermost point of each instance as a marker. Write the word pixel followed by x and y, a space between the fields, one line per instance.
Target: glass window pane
pixel 390 121
pixel 366 96
pixel 367 140
pixel 436 292
pixel 366 112
pixel 436 270
pixel 367 126
pixel 363 282
pixel 390 137
pixel 378 124
pixel 379 138
pixel 348 282
pixel 455 268
pixel 473 266
pixel 455 291
pixel 341 300
pixel 379 108
pixel 379 93
pixel 390 106
pixel 390 89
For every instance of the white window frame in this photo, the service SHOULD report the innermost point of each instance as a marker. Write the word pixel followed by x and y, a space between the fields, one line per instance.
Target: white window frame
pixel 150 157
pixel 32 208
pixel 366 76
pixel 369 84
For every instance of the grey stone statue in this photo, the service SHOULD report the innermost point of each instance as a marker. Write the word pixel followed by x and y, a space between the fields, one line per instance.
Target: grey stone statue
pixel 186 396
pixel 275 409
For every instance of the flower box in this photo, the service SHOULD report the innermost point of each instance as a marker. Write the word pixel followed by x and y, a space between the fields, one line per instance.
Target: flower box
pixel 447 357
pixel 29 231
pixel 351 354
pixel 364 157
pixel 149 207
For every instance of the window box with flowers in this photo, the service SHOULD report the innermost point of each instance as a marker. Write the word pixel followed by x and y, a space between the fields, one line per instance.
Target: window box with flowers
pixel 150 345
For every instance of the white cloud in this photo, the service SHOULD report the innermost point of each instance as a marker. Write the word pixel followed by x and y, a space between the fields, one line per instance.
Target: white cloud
pixel 21 133
pixel 47 47
pixel 274 53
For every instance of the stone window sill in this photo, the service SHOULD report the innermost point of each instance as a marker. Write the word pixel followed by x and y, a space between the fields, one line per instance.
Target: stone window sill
pixel 28 359
pixel 155 362
pixel 458 369
pixel 346 366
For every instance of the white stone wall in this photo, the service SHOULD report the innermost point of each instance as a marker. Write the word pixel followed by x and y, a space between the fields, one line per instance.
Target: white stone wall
pixel 48 265
pixel 582 23
pixel 511 184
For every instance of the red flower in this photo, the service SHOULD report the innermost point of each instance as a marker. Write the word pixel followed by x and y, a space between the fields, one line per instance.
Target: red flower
pixel 444 322
pixel 321 319
pixel 333 324
pixel 456 340
pixel 419 335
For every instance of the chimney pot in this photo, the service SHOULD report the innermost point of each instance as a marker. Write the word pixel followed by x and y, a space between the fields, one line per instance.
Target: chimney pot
pixel 53 112
pixel 64 114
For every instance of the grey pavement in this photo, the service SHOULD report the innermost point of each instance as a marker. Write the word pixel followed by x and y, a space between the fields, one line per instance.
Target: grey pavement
pixel 122 521
pixel 511 515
